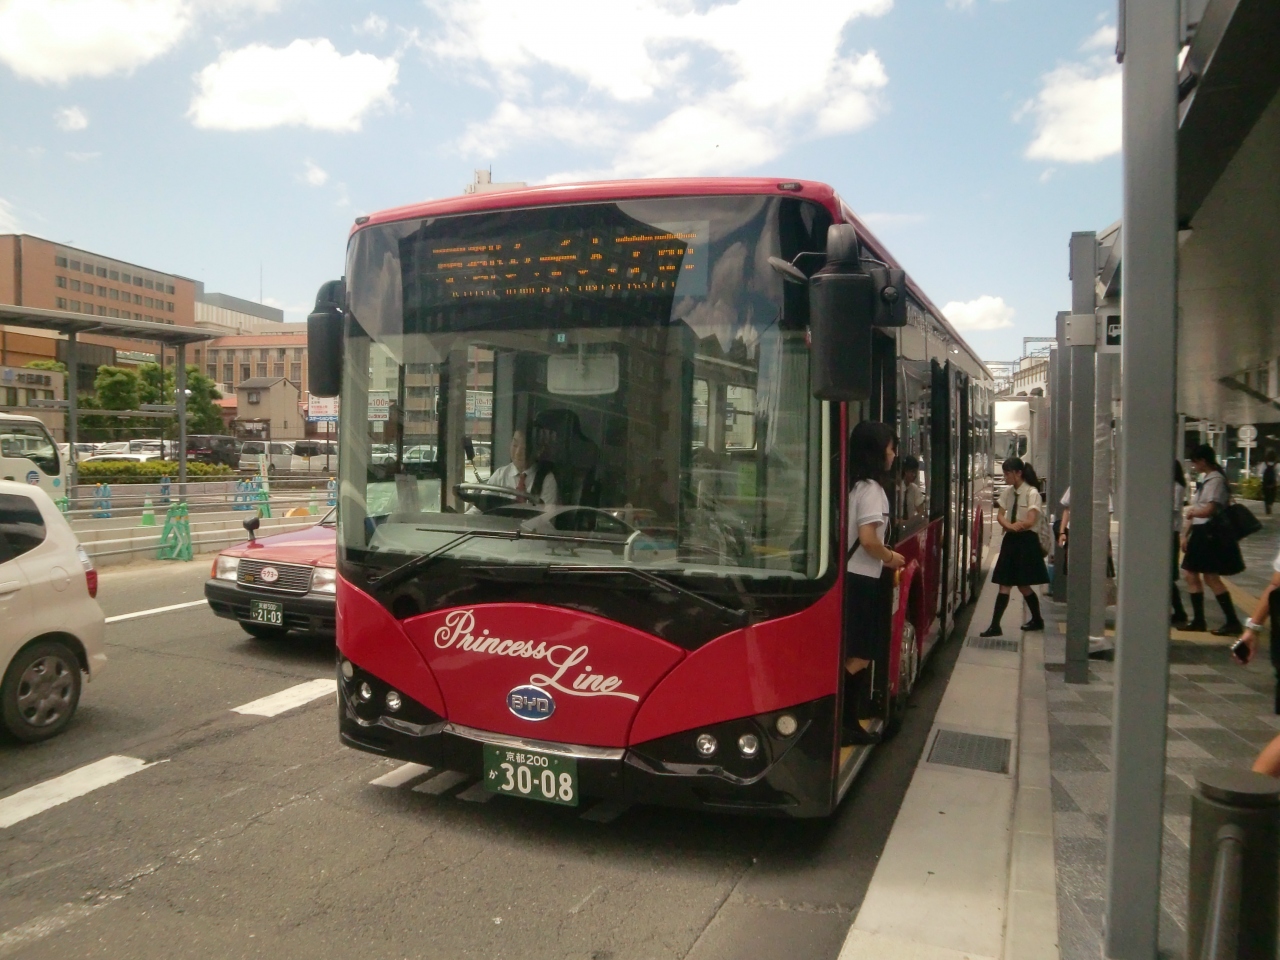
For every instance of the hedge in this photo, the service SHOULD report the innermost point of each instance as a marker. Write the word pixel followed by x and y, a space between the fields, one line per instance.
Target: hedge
pixel 148 471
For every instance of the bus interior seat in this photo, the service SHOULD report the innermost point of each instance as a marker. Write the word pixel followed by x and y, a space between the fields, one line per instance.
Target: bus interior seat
pixel 573 456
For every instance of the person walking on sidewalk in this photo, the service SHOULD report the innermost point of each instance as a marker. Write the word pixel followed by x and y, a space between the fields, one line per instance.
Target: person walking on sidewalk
pixel 1266 608
pixel 1209 547
pixel 1179 618
pixel 1269 481
pixel 872 447
pixel 1021 562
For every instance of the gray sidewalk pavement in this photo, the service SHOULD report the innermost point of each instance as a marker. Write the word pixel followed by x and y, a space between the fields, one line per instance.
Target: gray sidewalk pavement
pixel 1220 714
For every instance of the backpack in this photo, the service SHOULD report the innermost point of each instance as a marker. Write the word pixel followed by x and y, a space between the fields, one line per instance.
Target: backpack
pixel 1043 533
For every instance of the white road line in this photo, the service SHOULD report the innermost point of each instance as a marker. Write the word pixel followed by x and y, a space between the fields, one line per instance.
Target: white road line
pixel 606 811
pixel 146 613
pixel 25 934
pixel 476 793
pixel 441 782
pixel 401 775
pixel 288 699
pixel 27 803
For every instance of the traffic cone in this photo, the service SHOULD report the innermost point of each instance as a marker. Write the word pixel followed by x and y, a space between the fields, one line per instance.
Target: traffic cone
pixel 148 514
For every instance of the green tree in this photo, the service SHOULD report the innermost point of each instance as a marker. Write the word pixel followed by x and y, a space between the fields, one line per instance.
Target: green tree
pixel 203 415
pixel 56 366
pixel 117 388
pixel 150 389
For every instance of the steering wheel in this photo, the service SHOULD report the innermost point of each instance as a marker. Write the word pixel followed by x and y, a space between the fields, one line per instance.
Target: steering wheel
pixel 490 496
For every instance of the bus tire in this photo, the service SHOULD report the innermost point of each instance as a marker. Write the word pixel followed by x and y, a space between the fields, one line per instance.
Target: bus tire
pixel 896 707
pixel 263 632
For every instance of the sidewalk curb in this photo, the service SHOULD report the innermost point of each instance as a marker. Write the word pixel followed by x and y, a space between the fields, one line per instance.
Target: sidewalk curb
pixel 1032 926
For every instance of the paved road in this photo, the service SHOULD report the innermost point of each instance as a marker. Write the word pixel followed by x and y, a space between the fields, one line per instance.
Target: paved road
pixel 247 836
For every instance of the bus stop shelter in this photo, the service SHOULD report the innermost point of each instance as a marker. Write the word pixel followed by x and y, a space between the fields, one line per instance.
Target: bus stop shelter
pixel 72 325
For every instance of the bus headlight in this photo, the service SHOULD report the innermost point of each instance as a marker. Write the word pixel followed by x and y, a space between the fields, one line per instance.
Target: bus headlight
pixel 226 568
pixel 324 580
pixel 748 745
pixel 706 744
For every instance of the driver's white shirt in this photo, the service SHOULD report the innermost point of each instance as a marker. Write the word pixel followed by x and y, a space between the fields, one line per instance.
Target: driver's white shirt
pixel 508 475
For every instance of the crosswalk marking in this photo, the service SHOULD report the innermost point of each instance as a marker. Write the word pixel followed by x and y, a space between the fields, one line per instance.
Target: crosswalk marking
pixel 401 775
pixel 441 782
pixel 278 703
pixel 476 793
pixel 51 793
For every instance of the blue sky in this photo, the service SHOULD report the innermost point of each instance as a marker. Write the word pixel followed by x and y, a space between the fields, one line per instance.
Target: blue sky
pixel 215 138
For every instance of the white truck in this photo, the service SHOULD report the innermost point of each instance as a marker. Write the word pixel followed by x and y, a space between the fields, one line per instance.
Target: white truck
pixel 1022 430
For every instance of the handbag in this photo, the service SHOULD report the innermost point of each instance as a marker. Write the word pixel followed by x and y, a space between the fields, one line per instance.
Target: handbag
pixel 1240 520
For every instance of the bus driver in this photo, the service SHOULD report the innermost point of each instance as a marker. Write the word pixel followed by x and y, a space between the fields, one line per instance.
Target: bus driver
pixel 523 476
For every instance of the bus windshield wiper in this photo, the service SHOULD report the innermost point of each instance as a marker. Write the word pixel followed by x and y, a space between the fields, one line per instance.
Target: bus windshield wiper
pixel 738 616
pixel 398 575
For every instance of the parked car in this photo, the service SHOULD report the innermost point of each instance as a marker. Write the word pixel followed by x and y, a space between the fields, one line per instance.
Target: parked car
pixel 120 458
pixel 212 448
pixel 51 626
pixel 277 584
pixel 311 456
pixel 280 456
pixel 112 446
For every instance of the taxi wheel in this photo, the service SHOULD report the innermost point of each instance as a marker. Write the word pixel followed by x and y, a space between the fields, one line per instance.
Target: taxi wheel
pixel 40 691
pixel 262 631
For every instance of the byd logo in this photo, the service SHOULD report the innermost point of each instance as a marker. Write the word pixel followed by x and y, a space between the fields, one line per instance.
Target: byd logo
pixel 530 703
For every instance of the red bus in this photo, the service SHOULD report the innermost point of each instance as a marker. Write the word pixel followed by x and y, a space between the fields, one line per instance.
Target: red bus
pixel 592 486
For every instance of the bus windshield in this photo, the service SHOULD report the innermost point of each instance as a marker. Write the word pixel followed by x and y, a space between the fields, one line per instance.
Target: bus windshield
pixel 597 386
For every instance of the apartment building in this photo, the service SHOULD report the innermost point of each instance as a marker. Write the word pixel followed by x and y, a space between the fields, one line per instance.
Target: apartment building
pixel 229 361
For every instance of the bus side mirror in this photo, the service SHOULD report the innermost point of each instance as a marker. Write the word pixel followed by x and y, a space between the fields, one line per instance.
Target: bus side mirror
pixel 842 311
pixel 324 340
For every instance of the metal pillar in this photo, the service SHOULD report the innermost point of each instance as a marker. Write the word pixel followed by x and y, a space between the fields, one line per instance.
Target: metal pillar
pixel 1084 273
pixel 1150 32
pixel 180 401
pixel 1101 494
pixel 72 388
pixel 1060 475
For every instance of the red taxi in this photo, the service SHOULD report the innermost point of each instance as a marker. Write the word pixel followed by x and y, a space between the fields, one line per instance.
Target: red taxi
pixel 278 584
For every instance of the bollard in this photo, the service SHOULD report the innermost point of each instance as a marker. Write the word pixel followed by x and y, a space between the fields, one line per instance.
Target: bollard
pixel 1235 819
pixel 164 490
pixel 102 500
pixel 332 487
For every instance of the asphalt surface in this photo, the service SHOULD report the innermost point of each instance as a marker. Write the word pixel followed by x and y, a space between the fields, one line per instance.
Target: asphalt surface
pixel 263 837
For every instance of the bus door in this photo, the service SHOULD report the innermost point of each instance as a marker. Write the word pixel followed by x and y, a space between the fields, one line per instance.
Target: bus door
pixel 940 494
pixel 28 455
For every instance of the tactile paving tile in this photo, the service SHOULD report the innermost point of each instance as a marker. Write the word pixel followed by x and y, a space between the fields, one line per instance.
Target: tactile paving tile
pixel 971 751
pixel 1007 644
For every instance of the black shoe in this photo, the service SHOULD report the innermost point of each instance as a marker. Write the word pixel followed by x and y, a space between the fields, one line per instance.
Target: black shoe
pixel 992 631
pixel 856 736
pixel 1196 626
pixel 1229 630
pixel 1179 619
pixel 1032 625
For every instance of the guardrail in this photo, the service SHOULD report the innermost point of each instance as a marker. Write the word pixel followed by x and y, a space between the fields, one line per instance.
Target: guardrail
pixel 1233 894
pixel 90 501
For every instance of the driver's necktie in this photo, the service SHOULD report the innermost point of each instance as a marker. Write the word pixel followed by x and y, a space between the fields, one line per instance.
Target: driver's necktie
pixel 520 486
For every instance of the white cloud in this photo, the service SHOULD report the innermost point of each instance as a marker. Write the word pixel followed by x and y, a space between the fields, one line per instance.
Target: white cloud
pixel 1077 111
pixel 372 25
pixel 308 84
pixel 8 219
pixel 717 89
pixel 984 313
pixel 53 41
pixel 83 156
pixel 70 118
pixel 313 175
pixel 959 4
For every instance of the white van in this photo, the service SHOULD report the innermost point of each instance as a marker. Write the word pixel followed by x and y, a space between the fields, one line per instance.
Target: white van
pixel 29 455
pixel 280 457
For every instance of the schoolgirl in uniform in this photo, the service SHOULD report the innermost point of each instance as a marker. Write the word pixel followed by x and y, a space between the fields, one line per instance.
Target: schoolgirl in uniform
pixel 1020 564
pixel 1210 551
pixel 872 447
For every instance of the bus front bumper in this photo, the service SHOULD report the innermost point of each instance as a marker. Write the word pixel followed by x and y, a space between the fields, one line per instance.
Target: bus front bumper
pixel 791 776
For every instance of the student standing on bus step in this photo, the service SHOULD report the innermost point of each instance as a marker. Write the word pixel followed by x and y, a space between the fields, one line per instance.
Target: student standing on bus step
pixel 1210 550
pixel 1269 481
pixel 872 447
pixel 1267 607
pixel 1020 564
pixel 1179 617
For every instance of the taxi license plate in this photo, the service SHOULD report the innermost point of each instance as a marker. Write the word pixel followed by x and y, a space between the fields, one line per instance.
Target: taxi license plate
pixel 527 773
pixel 264 611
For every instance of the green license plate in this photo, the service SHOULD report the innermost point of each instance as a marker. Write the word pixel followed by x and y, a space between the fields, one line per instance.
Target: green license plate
pixel 264 611
pixel 526 773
